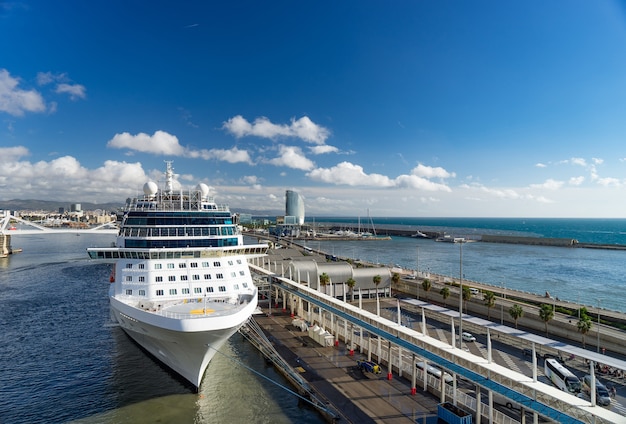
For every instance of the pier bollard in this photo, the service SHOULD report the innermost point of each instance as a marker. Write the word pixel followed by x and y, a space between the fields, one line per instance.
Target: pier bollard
pixel 351 352
pixel 291 315
pixel 413 390
pixel 336 343
pixel 389 376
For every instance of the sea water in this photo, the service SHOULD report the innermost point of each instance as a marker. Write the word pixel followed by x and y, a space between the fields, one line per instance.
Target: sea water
pixel 64 361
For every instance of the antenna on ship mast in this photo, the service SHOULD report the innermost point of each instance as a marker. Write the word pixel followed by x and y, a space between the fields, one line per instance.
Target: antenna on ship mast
pixel 169 177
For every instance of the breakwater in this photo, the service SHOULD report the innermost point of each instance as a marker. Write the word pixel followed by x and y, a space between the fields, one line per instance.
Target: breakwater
pixel 392 230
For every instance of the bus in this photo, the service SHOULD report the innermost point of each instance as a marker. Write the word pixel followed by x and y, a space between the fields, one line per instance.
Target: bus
pixel 435 372
pixel 561 377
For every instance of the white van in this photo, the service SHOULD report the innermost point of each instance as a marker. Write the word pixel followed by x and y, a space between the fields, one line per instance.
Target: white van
pixel 474 291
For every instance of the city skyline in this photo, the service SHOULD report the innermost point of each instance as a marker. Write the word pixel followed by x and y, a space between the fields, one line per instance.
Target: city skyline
pixel 414 108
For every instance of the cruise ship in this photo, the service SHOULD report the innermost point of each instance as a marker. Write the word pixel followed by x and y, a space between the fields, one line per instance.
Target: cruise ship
pixel 180 284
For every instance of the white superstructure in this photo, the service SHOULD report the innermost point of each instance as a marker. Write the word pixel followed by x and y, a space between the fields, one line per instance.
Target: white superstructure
pixel 181 285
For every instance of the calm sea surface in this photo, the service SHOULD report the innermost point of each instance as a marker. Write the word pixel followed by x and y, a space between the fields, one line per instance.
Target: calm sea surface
pixel 62 360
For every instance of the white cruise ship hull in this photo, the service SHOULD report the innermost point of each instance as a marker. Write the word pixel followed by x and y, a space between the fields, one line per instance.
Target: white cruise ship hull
pixel 185 345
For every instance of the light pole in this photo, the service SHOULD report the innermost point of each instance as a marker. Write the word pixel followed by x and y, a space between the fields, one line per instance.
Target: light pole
pixel 502 303
pixel 598 344
pixel 460 294
pixel 417 264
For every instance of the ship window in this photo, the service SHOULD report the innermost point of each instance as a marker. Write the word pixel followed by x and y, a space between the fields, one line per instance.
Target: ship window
pixel 142 292
pixel 245 285
pixel 236 286
pixel 141 266
pixel 171 278
pixel 142 279
pixel 129 292
pixel 170 266
pixel 183 278
pixel 230 263
pixel 159 292
pixel 129 278
pixel 194 264
pixel 233 274
pixel 172 291
pixel 239 261
pixel 219 276
pixel 205 264
pixel 217 264
pixel 209 289
pixel 129 266
pixel 185 291
pixel 182 265
pixel 242 273
pixel 196 277
pixel 207 276
pixel 158 266
pixel 222 288
pixel 158 279
pixel 197 289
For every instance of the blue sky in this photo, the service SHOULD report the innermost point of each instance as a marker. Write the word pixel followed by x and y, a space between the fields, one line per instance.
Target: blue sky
pixel 404 108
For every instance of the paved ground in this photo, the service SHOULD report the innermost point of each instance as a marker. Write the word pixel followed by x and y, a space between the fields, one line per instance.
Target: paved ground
pixel 356 396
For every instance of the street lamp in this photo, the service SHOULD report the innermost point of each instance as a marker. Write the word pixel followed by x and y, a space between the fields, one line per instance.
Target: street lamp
pixel 598 344
pixel 502 303
pixel 460 294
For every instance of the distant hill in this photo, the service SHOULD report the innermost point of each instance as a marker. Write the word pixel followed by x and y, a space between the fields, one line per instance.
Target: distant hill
pixel 54 205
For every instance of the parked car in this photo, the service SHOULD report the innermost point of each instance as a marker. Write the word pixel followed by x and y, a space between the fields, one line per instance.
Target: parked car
pixel 468 337
pixel 603 398
pixel 529 353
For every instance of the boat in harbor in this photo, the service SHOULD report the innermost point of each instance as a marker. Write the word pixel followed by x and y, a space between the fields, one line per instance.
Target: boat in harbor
pixel 180 285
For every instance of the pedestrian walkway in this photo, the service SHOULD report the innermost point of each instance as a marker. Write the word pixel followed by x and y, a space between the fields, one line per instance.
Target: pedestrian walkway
pixel 356 396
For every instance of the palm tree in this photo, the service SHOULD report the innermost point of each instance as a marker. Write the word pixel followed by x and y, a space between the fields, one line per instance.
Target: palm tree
pixel 467 295
pixel 584 326
pixel 351 283
pixel 445 293
pixel 516 313
pixel 377 279
pixel 546 313
pixel 426 285
pixel 490 302
pixel 324 280
pixel 395 278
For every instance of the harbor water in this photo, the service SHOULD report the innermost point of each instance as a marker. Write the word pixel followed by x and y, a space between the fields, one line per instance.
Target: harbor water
pixel 63 360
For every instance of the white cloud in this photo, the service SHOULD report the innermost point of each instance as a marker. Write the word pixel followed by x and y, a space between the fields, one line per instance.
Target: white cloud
pixel 430 172
pixel 346 173
pixel 10 154
pixel 76 91
pixel 302 128
pixel 320 150
pixel 16 101
pixel 549 184
pixel 232 155
pixel 292 157
pixel 159 143
pixel 540 165
pixel 163 143
pixel 609 182
pixel 576 181
pixel 578 161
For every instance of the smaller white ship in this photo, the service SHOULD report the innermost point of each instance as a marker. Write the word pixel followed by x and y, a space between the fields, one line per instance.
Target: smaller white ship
pixel 181 285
